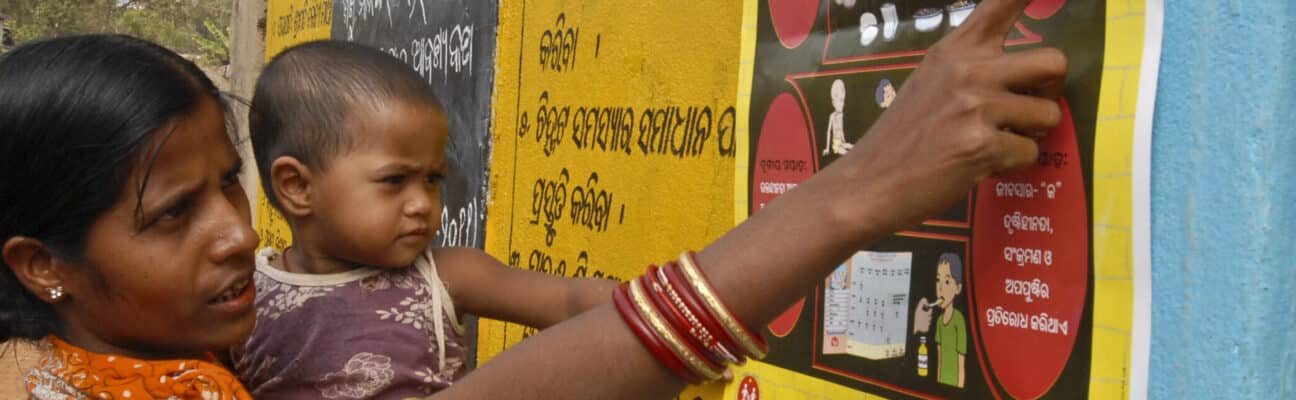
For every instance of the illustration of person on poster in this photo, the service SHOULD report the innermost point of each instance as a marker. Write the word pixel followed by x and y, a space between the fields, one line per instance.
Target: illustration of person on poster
pixel 837 143
pixel 951 325
pixel 885 94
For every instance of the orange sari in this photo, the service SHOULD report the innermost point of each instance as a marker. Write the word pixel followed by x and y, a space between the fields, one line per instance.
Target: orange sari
pixel 67 371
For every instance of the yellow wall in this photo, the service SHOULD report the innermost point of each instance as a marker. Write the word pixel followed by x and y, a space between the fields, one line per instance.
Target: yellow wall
pixel 655 58
pixel 665 75
pixel 290 22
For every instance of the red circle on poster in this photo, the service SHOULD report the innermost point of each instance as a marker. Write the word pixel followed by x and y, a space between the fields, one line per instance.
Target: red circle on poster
pixel 748 390
pixel 784 157
pixel 793 20
pixel 1031 255
pixel 1043 9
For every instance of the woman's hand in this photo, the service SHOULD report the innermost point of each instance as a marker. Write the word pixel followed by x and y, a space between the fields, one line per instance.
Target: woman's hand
pixel 970 110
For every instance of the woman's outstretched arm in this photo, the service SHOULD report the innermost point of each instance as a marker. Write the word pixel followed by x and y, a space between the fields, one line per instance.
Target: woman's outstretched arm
pixel 968 111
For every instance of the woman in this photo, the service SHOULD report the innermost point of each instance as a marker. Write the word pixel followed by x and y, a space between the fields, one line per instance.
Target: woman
pixel 127 245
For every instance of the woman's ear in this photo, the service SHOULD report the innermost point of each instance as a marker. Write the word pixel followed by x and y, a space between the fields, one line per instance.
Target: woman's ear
pixel 35 267
pixel 291 182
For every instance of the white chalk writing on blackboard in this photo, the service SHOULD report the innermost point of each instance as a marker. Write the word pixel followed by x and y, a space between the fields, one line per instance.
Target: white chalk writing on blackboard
pixel 359 10
pixel 462 227
pixel 450 50
pixel 421 6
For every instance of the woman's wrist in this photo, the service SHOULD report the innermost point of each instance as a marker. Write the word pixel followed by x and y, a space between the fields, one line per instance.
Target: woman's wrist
pixel 844 203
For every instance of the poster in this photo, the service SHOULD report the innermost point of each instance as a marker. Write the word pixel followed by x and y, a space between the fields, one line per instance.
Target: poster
pixel 1024 289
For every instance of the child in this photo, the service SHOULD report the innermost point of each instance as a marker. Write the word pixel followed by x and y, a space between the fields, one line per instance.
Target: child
pixel 349 143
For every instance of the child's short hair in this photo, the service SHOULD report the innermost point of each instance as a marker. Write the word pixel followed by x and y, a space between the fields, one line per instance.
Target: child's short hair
pixel 305 95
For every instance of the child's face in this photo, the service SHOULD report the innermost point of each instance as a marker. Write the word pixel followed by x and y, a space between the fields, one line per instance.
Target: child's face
pixel 379 204
pixel 176 276
pixel 946 287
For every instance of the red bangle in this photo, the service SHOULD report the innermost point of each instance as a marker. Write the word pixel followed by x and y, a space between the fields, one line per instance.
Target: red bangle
pixel 696 340
pixel 649 339
pixel 753 343
pixel 707 336
pixel 703 314
pixel 672 315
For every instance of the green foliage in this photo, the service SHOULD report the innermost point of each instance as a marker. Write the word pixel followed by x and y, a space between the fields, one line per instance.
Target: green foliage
pixel 195 28
pixel 215 43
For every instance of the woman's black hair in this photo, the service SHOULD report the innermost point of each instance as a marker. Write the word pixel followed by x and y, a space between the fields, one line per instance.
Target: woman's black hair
pixel 77 115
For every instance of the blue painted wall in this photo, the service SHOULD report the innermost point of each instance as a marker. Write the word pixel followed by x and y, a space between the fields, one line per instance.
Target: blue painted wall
pixel 1224 202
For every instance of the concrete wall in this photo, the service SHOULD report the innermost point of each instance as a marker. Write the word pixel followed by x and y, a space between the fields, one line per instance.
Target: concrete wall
pixel 1224 202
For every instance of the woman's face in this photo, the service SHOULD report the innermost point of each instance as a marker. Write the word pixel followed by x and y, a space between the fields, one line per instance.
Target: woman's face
pixel 173 279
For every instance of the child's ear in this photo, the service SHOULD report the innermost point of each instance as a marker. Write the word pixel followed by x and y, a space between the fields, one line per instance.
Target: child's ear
pixel 291 182
pixel 34 266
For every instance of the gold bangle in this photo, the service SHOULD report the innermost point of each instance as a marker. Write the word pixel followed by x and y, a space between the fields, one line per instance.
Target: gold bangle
pixel 731 324
pixel 640 300
pixel 697 329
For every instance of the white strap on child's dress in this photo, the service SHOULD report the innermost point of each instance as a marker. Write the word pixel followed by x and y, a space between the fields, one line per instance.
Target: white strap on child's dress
pixel 440 301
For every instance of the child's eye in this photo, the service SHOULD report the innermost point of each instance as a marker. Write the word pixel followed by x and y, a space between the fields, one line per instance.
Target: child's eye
pixel 394 180
pixel 231 178
pixel 433 179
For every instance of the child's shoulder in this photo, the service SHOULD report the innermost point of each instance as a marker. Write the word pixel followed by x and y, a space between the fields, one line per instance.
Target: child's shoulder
pixel 463 264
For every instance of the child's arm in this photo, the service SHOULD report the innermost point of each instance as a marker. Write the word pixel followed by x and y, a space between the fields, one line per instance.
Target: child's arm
pixel 481 285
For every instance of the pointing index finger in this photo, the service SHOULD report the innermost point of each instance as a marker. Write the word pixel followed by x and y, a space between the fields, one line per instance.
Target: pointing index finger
pixel 992 21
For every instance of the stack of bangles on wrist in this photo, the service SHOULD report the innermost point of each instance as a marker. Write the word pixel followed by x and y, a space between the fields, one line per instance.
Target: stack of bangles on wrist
pixel 675 312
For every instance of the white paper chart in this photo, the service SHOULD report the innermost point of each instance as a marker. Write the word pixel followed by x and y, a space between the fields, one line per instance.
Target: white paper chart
pixel 866 306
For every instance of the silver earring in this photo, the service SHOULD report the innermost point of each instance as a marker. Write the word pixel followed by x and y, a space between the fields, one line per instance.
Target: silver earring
pixel 55 293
